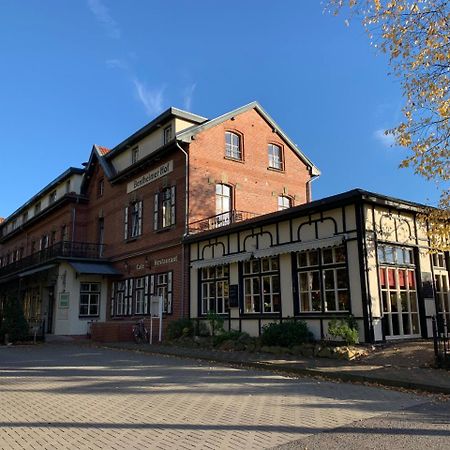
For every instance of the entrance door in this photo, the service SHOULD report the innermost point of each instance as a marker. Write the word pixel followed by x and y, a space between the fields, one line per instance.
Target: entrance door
pixel 51 309
pixel 399 295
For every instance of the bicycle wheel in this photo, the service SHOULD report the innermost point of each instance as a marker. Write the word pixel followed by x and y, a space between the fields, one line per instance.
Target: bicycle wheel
pixel 137 335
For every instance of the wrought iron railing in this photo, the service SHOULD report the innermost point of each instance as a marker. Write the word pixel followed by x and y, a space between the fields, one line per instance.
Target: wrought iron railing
pixel 441 337
pixel 63 249
pixel 219 220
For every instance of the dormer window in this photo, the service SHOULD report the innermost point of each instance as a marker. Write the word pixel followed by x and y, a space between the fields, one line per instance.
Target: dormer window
pixel 233 146
pixel 52 198
pixel 134 155
pixel 37 208
pixel 167 134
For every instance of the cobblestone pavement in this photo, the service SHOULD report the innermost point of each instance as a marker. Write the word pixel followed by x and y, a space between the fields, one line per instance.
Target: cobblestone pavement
pixel 68 396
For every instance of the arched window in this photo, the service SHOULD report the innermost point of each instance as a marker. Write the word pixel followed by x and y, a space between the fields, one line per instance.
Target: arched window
pixel 275 157
pixel 233 145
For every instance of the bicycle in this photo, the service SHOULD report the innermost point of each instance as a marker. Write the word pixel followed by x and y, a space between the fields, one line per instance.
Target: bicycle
pixel 140 332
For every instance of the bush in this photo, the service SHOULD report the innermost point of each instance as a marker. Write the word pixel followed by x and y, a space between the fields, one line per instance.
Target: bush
pixel 232 335
pixel 286 334
pixel 215 322
pixel 345 328
pixel 179 328
pixel 14 323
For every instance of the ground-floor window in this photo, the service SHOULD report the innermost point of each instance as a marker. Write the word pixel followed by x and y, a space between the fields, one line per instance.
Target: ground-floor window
pixel 262 285
pixel 443 297
pixel 32 304
pixel 398 291
pixel 323 280
pixel 132 296
pixel 214 289
pixel 89 299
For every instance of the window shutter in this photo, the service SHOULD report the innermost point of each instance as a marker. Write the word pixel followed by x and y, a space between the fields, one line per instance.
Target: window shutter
pixel 155 212
pixel 113 285
pixel 152 284
pixel 125 231
pixel 140 218
pixel 146 287
pixel 125 299
pixel 130 297
pixel 172 205
pixel 169 292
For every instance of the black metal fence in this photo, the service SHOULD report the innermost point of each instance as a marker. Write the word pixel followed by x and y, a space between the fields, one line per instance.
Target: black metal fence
pixel 63 249
pixel 441 337
pixel 220 220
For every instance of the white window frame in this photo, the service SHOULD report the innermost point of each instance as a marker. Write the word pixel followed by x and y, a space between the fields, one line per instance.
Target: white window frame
pixel 164 208
pixel 167 134
pixel 134 155
pixel 93 298
pixel 275 154
pixel 284 202
pixel 133 220
pixel 233 146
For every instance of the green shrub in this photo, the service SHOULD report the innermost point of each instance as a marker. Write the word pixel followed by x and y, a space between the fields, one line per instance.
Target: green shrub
pixel 201 329
pixel 14 323
pixel 286 334
pixel 215 322
pixel 179 328
pixel 345 328
pixel 232 335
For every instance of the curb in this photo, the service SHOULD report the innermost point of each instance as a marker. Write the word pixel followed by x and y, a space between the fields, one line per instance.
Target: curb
pixel 304 371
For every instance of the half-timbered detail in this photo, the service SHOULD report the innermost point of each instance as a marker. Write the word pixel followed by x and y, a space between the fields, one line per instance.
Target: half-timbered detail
pixel 357 253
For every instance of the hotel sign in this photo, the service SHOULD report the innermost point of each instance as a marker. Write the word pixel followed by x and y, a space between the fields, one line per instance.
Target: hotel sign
pixel 150 176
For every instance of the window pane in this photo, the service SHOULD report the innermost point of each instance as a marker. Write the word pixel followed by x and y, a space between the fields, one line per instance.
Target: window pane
pixel 341 275
pixel 329 279
pixel 313 258
pixel 315 282
pixel 316 302
pixel 304 298
pixel 339 253
pixel 302 259
pixel 330 301
pixel 303 277
pixel 343 301
pixel 327 256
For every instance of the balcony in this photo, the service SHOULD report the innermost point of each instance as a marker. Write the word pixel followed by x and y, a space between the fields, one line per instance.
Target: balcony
pixel 219 220
pixel 61 250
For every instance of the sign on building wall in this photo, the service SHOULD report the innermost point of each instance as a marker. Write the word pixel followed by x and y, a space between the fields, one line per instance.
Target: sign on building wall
pixel 63 300
pixel 150 177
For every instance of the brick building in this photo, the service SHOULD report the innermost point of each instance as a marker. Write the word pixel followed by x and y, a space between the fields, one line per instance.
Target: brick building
pixel 97 243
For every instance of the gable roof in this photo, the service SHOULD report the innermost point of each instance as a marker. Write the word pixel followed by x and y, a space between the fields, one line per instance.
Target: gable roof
pixel 186 135
pixel 154 124
pixel 47 189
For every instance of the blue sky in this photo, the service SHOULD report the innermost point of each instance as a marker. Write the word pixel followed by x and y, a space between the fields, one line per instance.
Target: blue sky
pixel 94 71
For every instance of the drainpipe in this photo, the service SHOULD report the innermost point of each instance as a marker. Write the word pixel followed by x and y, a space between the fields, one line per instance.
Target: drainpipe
pixel 186 222
pixel 308 188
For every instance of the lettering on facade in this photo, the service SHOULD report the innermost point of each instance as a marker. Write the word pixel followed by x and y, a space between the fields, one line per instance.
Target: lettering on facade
pixel 150 176
pixel 162 261
pixel 140 266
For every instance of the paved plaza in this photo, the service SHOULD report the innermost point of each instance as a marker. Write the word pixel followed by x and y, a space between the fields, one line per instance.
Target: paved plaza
pixel 68 396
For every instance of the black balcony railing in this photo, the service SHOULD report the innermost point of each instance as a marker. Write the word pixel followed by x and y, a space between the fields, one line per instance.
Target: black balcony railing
pixel 63 249
pixel 219 220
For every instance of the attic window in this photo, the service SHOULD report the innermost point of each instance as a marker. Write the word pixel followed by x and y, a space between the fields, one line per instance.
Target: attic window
pixel 52 197
pixel 134 155
pixel 167 134
pixel 37 208
pixel 101 187
pixel 67 186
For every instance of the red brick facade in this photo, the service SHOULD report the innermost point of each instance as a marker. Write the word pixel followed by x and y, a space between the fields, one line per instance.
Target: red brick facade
pixel 255 186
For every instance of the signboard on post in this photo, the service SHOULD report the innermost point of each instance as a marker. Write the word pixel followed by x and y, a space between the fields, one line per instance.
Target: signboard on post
pixel 156 312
